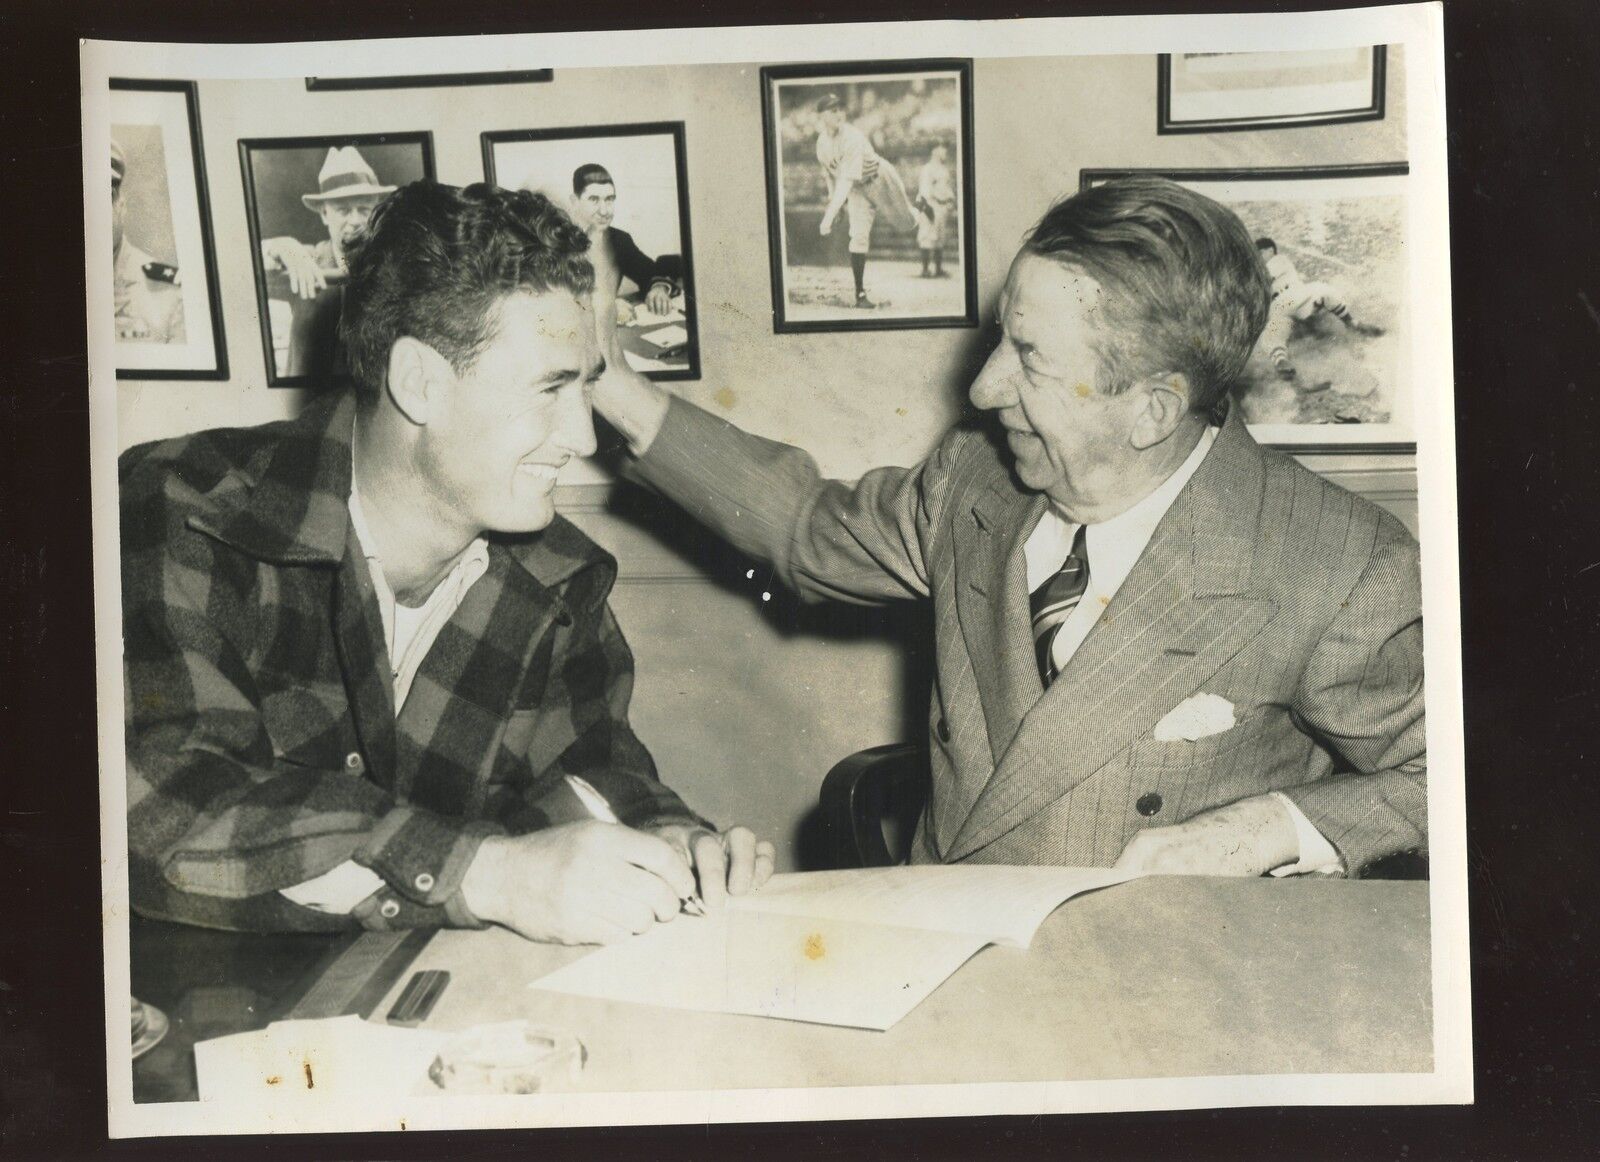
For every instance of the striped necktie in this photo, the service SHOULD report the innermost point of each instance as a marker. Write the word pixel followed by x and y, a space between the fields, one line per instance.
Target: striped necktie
pixel 1053 601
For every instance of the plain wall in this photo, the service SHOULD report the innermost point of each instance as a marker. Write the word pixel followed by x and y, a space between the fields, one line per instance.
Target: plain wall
pixel 746 702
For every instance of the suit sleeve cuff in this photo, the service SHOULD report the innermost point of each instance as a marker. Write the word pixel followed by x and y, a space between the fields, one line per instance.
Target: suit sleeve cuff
pixel 1317 855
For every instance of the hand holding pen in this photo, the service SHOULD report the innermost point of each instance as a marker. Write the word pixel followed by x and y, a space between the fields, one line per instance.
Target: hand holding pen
pixel 731 863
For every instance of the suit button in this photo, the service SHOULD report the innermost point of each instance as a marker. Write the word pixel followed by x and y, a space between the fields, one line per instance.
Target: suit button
pixel 389 909
pixel 354 762
pixel 423 882
pixel 942 729
pixel 1148 804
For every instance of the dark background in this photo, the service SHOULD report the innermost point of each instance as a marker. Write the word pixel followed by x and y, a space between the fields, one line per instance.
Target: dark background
pixel 1525 226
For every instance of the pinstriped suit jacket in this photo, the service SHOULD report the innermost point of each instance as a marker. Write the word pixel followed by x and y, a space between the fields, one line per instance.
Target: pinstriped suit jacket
pixel 1264 584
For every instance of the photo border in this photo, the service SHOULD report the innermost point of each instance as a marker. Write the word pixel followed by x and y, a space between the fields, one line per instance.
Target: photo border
pixel 1166 125
pixel 678 131
pixel 421 137
pixel 772 151
pixel 208 245
pixel 1088 177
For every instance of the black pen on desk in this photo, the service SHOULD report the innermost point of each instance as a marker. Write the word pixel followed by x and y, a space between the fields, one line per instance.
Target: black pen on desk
pixel 597 806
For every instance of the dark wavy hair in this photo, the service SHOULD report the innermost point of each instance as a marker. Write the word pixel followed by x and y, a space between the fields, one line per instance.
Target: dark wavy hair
pixel 434 263
pixel 1186 291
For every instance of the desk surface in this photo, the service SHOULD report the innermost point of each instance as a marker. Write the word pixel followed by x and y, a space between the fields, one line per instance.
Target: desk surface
pixel 1160 977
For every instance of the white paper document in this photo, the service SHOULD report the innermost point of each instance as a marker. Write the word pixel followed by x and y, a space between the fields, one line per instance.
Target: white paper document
pixel 859 948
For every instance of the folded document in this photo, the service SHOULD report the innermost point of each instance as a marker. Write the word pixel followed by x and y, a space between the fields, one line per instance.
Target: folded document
pixel 858 948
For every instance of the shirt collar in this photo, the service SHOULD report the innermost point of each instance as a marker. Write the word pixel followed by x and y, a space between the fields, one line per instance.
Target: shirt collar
pixel 1115 545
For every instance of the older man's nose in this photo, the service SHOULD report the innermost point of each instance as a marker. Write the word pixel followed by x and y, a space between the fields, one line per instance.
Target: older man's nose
pixel 995 386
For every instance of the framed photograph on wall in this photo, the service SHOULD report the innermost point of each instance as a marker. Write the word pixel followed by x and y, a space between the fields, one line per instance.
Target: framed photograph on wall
pixel 1213 92
pixel 168 307
pixel 426 81
pixel 305 197
pixel 869 195
pixel 1331 371
pixel 628 187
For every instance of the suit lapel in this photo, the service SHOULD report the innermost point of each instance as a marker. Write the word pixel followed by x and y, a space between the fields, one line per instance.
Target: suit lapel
pixel 992 603
pixel 1183 611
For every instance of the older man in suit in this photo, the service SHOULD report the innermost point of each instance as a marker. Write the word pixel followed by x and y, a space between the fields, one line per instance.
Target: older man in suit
pixel 1159 645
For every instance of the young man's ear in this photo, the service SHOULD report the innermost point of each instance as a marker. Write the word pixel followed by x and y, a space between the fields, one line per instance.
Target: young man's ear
pixel 1166 403
pixel 417 378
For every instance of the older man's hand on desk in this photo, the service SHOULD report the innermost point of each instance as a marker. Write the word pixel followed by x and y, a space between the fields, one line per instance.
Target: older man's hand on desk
pixel 1247 838
pixel 580 883
pixel 733 863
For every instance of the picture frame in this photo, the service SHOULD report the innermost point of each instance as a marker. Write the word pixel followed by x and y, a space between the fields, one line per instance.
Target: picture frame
pixel 168 304
pixel 427 80
pixel 1340 232
pixel 1220 92
pixel 883 262
pixel 289 183
pixel 648 192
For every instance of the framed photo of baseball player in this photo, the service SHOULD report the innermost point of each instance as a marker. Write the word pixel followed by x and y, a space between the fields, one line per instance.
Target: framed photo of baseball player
pixel 628 187
pixel 869 195
pixel 168 307
pixel 1332 370
pixel 305 197
pixel 1214 92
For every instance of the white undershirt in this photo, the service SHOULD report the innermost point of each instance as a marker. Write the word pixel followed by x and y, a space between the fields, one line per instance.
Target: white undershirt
pixel 1114 546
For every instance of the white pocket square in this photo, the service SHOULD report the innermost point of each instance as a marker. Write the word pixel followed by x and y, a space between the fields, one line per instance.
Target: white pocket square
pixel 1196 718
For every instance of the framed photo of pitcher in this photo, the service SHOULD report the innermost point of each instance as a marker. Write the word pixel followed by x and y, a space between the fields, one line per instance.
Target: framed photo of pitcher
pixel 869 195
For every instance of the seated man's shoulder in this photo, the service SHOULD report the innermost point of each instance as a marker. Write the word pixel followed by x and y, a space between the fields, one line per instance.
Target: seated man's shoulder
pixel 1322 532
pixel 201 474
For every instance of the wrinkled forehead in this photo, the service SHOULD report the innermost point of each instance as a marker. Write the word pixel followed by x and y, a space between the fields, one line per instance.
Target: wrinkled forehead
pixel 598 192
pixel 1043 294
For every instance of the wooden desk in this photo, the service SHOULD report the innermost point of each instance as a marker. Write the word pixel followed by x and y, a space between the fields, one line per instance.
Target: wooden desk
pixel 1161 977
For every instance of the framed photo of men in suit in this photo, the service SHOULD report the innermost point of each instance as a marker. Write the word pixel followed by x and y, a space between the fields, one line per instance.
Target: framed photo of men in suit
pixel 305 197
pixel 869 195
pixel 1332 370
pixel 627 186
pixel 168 309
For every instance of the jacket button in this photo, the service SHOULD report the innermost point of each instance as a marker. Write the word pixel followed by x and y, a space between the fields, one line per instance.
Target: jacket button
pixel 563 619
pixel 423 882
pixel 1148 804
pixel 354 762
pixel 389 909
pixel 942 729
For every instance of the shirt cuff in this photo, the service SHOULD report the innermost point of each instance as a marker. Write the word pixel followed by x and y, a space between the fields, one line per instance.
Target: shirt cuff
pixel 1317 855
pixel 336 892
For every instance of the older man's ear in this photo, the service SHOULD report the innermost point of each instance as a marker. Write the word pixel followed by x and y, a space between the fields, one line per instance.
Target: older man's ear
pixel 1166 403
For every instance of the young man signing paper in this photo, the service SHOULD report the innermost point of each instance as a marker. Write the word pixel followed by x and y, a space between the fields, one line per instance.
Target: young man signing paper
pixel 371 675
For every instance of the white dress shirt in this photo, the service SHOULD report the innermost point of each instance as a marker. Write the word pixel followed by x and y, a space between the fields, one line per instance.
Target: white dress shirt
pixel 1113 547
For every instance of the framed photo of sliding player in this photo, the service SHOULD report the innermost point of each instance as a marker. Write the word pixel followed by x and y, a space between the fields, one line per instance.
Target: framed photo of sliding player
pixel 628 187
pixel 1332 370
pixel 869 195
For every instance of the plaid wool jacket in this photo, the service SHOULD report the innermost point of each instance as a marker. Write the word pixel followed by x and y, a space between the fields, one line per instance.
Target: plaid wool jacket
pixel 263 745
